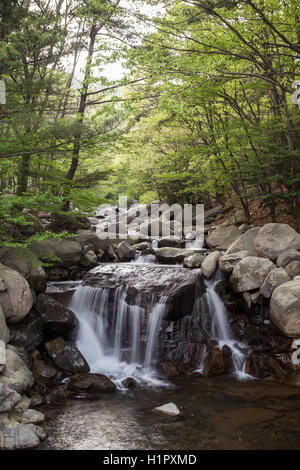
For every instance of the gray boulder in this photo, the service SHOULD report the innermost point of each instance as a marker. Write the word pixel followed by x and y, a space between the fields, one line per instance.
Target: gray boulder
pixel 16 375
pixel 274 239
pixel 8 398
pixel 275 278
pixel 193 261
pixel 125 251
pixel 27 334
pixel 228 261
pixel 209 264
pixel 17 300
pixel 25 436
pixel 66 356
pixel 285 308
pixel 58 252
pixel 89 259
pixel 26 263
pixel 250 273
pixel 4 331
pixel 222 237
pixel 244 243
pixel 287 257
pixel 172 255
pixel 293 269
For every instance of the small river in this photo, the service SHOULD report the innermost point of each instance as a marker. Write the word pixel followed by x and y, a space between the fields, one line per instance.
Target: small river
pixel 216 414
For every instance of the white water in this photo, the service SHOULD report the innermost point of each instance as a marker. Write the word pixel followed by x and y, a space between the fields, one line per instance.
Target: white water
pixel 219 329
pixel 114 344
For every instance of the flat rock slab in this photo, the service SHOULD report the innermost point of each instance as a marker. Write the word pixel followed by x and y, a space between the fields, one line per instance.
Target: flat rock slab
pixel 178 285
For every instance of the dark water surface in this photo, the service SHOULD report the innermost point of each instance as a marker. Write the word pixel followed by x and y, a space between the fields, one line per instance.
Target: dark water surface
pixel 217 413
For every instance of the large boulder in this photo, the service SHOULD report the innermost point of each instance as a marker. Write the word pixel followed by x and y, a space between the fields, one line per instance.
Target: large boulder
pixel 275 278
pixel 4 331
pixel 17 299
pixel 27 334
pixel 193 261
pixel 58 252
pixel 16 374
pixel 250 273
pixel 222 237
pixel 89 237
pixel 56 317
pixel 209 264
pixel 66 356
pixel 89 259
pixel 228 261
pixel 8 398
pixel 25 436
pixel 244 243
pixel 172 255
pixel 169 242
pixel 274 239
pixel 125 251
pixel 26 263
pixel 288 257
pixel 285 308
pixel 90 385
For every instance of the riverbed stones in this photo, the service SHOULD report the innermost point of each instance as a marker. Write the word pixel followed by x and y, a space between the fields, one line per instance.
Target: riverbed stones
pixel 169 409
pixel 209 264
pixel 244 243
pixel 172 255
pixel 17 300
pixel 58 252
pixel 66 356
pixel 56 317
pixel 194 261
pixel 275 278
pixel 228 261
pixel 222 237
pixel 250 273
pixel 274 239
pixel 91 385
pixel 16 374
pixel 285 308
pixel 287 257
pixel 293 269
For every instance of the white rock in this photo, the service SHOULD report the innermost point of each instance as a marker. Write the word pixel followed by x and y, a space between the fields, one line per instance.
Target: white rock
pixel 168 409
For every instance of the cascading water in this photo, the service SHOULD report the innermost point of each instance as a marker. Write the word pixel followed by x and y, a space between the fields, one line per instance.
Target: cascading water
pixel 217 327
pixel 123 343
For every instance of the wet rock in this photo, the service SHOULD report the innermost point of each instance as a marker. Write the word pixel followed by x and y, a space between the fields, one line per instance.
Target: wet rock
pixel 193 261
pixel 172 255
pixel 42 371
pixel 17 300
pixel 66 356
pixel 27 333
pixel 214 363
pixel 285 308
pixel 169 243
pixel 274 239
pixel 125 251
pixel 209 264
pixel 143 246
pixel 16 375
pixel 111 253
pixel 26 263
pixel 252 334
pixel 66 253
pixel 222 237
pixel 275 278
pixel 250 273
pixel 227 359
pixel 228 261
pixel 129 383
pixel 168 369
pixel 169 409
pixel 293 269
pixel 4 331
pixel 177 284
pixel 89 259
pixel 56 317
pixel 244 243
pixel 91 385
pixel 8 398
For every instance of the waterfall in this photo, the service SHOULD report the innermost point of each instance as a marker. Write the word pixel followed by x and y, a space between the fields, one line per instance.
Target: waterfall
pixel 118 339
pixel 218 328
